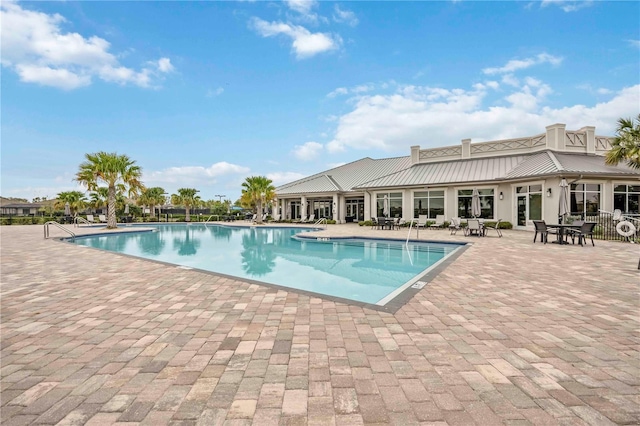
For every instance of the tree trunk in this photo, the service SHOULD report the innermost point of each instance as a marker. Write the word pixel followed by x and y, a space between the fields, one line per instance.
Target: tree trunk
pixel 259 215
pixel 112 223
pixel 187 216
pixel 153 210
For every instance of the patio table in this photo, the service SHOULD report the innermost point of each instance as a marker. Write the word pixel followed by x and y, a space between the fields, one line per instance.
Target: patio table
pixel 561 227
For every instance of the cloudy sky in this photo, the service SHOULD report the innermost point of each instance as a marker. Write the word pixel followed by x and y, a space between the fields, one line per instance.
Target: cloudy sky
pixel 205 94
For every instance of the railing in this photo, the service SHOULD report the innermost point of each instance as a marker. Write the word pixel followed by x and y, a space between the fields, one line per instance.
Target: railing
pixel 79 219
pixel 209 218
pixel 321 220
pixel 409 233
pixel 607 223
pixel 56 224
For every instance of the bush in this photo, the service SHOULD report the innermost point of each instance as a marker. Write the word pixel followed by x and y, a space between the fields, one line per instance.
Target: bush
pixel 365 223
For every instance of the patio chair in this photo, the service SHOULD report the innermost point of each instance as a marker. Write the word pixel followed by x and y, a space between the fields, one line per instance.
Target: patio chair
pixel 382 222
pixel 496 228
pixel 586 230
pixel 90 219
pixel 473 227
pixel 102 218
pixel 310 219
pixel 454 226
pixel 422 221
pixel 398 223
pixel 439 223
pixel 541 227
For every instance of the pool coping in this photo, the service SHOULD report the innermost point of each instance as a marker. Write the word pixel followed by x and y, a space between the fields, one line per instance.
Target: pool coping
pixel 391 306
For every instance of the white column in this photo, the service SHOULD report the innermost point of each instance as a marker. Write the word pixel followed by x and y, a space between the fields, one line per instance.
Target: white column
pixel 342 203
pixel 335 209
pixel 556 136
pixel 303 207
pixel 466 148
pixel 367 206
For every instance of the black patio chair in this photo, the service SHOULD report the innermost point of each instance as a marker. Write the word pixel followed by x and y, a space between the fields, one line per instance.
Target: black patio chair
pixel 586 230
pixel 541 227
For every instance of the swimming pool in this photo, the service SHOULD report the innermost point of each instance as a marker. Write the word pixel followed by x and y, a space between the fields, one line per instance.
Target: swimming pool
pixel 368 271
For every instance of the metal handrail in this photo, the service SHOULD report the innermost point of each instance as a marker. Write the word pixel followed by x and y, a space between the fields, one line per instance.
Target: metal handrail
pixel 80 219
pixel 209 218
pixel 319 221
pixel 409 233
pixel 53 222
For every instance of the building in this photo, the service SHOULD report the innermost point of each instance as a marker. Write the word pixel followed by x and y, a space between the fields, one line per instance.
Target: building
pixel 518 180
pixel 20 209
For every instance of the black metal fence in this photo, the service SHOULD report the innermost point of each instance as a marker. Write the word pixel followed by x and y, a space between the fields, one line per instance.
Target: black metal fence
pixel 606 226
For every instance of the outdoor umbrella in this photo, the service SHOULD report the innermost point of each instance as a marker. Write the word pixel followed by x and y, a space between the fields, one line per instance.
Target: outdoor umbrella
pixel 67 209
pixel 475 204
pixel 126 209
pixel 385 206
pixel 564 209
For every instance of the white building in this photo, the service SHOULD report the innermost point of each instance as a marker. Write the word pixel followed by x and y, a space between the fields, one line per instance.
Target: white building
pixel 518 181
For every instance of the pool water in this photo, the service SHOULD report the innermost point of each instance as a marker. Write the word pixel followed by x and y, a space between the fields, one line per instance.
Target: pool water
pixel 369 271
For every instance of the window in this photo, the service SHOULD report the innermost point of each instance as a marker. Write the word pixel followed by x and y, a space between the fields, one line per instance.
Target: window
pixel 626 198
pixel 430 203
pixel 296 207
pixel 394 200
pixel 585 199
pixel 322 208
pixel 486 203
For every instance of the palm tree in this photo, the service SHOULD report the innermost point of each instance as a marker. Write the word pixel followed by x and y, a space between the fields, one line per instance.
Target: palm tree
pixel 626 144
pixel 99 197
pixel 186 197
pixel 76 200
pixel 258 190
pixel 114 170
pixel 152 197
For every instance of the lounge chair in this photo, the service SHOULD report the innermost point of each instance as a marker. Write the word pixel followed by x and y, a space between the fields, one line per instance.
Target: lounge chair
pixel 374 223
pixel 90 219
pixel 253 218
pixel 310 219
pixel 586 230
pixel 439 223
pixel 422 221
pixel 302 219
pixel 276 218
pixel 102 218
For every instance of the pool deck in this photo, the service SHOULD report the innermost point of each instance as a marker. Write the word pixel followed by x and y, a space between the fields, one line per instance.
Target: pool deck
pixel 511 333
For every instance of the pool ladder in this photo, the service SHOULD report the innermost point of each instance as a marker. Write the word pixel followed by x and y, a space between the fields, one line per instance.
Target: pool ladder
pixel 56 224
pixel 321 220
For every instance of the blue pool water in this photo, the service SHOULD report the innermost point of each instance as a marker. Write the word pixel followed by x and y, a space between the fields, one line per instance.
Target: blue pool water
pixel 370 271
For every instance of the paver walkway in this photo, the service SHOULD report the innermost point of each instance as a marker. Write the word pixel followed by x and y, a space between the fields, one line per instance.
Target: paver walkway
pixel 511 333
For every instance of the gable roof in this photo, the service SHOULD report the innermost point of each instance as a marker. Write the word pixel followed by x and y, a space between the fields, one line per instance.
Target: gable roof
pixel 345 177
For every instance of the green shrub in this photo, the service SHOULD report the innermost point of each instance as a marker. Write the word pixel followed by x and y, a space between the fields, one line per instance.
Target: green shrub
pixel 365 223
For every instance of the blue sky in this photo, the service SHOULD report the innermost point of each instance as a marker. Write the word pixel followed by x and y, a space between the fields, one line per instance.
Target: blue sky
pixel 204 94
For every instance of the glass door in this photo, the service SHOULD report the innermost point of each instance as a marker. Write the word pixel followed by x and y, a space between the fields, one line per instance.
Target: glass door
pixel 522 210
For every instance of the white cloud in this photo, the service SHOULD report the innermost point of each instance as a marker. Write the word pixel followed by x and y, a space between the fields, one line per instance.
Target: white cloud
pixel 304 43
pixel 568 5
pixel 280 178
pixel 188 175
pixel 334 165
pixel 519 64
pixel 634 43
pixel 301 6
pixel 344 16
pixel 433 117
pixel 35 46
pixel 217 92
pixel 362 88
pixel 308 151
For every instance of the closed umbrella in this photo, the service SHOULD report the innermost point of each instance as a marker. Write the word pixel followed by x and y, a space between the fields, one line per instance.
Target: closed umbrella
pixel 67 209
pixel 564 209
pixel 126 209
pixel 385 206
pixel 476 210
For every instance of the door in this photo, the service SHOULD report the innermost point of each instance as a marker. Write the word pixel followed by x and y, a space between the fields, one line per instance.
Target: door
pixel 521 220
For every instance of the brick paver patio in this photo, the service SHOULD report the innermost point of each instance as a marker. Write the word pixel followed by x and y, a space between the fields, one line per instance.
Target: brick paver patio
pixel 511 333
